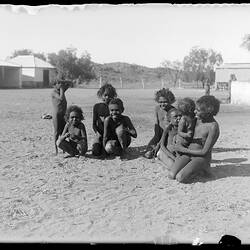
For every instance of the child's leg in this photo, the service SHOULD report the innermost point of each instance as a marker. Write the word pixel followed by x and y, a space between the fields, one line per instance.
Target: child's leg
pixel 59 123
pixel 82 147
pixel 66 146
pixel 123 137
pixel 193 167
pixel 97 146
pixel 113 147
pixel 168 162
pixel 179 163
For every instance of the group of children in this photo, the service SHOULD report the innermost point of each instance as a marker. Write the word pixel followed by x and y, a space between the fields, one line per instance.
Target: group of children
pixel 113 130
pixel 175 130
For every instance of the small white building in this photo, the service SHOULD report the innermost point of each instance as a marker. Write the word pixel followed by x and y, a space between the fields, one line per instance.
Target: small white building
pixel 240 70
pixel 10 75
pixel 35 72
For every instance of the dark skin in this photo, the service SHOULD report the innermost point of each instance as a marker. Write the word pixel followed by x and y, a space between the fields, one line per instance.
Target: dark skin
pixel 198 155
pixel 160 120
pixel 75 131
pixel 115 121
pixel 168 135
pixel 100 112
pixel 59 105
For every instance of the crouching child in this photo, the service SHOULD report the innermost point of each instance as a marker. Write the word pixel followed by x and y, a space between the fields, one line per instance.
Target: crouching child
pixel 118 129
pixel 74 138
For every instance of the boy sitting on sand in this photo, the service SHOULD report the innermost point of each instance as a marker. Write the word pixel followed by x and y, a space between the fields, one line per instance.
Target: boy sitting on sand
pixel 165 98
pixel 74 138
pixel 100 111
pixel 165 148
pixel 59 105
pixel 186 107
pixel 118 129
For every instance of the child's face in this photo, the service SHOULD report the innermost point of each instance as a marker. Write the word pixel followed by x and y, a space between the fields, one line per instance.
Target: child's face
pixel 163 102
pixel 58 85
pixel 106 97
pixel 200 113
pixel 114 111
pixel 174 118
pixel 74 118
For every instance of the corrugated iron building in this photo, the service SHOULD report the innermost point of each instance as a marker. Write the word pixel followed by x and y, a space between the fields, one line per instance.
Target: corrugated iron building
pixel 10 75
pixel 240 70
pixel 35 72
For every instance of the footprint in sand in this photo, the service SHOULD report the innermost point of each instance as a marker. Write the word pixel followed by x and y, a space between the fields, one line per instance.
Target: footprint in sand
pixel 171 191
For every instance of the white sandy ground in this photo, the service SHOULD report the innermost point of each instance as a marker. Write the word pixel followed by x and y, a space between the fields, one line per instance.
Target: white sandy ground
pixel 52 199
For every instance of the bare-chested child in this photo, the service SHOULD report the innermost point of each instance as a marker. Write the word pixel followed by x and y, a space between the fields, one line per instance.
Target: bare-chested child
pixel 164 149
pixel 59 105
pixel 186 107
pixel 74 138
pixel 196 158
pixel 165 98
pixel 100 111
pixel 118 129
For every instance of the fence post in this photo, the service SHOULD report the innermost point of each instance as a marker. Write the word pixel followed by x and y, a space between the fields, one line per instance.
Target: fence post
pixel 100 82
pixel 121 82
pixel 142 82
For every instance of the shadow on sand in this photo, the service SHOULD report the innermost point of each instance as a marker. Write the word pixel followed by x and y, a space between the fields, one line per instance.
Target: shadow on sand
pixel 220 150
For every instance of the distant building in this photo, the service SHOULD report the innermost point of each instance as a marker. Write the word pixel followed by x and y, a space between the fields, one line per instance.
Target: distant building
pixel 10 75
pixel 224 72
pixel 34 71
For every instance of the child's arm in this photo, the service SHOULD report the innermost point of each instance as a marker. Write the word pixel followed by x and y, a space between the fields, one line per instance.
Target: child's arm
pixel 162 142
pixel 94 118
pixel 105 133
pixel 83 132
pixel 130 127
pixel 181 128
pixel 212 137
pixel 157 123
pixel 65 132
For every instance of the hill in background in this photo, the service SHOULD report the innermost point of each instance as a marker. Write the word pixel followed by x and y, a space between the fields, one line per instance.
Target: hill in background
pixel 125 75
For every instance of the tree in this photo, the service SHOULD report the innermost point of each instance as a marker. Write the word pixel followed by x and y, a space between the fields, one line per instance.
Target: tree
pixel 69 66
pixel 201 62
pixel 174 70
pixel 246 42
pixel 24 52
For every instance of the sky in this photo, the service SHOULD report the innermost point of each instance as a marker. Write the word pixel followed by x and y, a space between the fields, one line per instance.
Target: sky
pixel 145 34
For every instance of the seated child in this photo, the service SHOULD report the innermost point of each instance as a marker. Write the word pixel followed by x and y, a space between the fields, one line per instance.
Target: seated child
pixel 118 129
pixel 100 111
pixel 74 138
pixel 196 159
pixel 165 150
pixel 59 105
pixel 165 98
pixel 186 107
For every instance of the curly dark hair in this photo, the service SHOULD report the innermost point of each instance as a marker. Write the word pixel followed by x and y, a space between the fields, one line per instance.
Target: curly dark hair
pixel 109 88
pixel 209 104
pixel 76 109
pixel 117 101
pixel 170 112
pixel 165 93
pixel 186 106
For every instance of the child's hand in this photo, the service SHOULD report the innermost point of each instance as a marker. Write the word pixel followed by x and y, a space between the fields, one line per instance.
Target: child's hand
pixel 189 134
pixel 67 135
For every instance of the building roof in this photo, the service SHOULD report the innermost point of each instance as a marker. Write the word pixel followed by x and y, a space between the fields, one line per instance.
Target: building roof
pixel 8 64
pixel 234 66
pixel 30 61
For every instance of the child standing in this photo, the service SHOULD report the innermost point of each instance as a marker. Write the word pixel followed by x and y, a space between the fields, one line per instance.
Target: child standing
pixel 118 129
pixel 100 111
pixel 59 105
pixel 165 98
pixel 165 148
pixel 186 107
pixel 74 138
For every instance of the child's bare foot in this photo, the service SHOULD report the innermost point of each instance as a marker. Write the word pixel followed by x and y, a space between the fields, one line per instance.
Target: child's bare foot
pixel 149 154
pixel 170 176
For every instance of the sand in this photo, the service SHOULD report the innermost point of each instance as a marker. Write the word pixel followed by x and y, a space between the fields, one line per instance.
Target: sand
pixel 52 199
